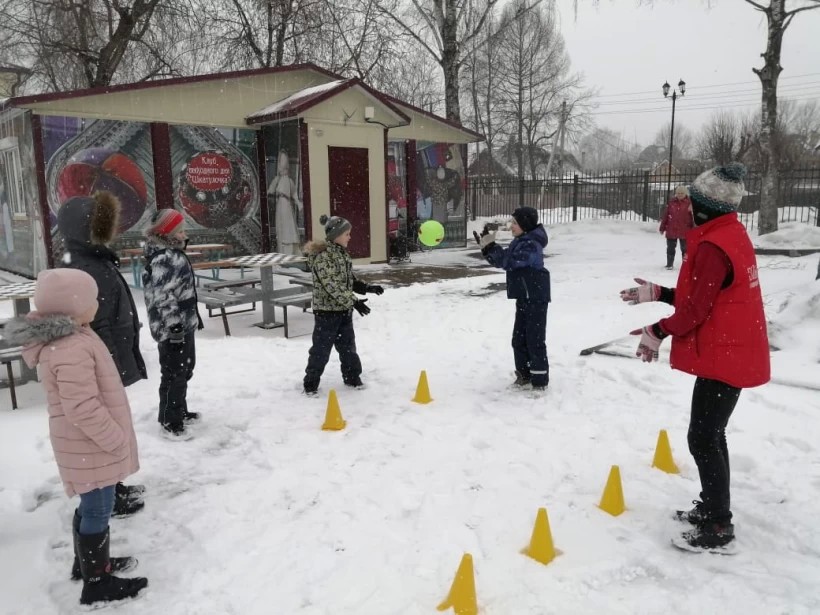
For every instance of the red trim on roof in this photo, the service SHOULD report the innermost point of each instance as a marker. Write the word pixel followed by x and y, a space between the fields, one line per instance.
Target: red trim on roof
pixel 438 118
pixel 144 85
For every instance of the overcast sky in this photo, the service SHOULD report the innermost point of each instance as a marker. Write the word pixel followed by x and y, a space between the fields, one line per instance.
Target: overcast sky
pixel 627 52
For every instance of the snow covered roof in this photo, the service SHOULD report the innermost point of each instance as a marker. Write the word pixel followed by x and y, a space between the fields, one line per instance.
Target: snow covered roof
pixel 299 99
pixel 304 99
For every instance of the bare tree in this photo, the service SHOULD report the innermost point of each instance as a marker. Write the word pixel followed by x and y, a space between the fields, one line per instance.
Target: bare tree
pixel 480 78
pixel 684 143
pixel 533 79
pixel 779 19
pixel 445 29
pixel 602 149
pixel 69 44
pixel 724 138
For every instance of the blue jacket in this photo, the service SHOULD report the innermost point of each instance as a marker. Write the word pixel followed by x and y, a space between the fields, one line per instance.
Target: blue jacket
pixel 523 260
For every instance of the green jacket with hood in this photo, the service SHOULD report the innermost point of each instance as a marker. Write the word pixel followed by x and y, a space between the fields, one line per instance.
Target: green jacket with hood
pixel 333 279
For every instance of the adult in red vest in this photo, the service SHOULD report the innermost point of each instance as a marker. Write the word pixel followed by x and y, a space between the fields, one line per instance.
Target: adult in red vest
pixel 676 221
pixel 718 334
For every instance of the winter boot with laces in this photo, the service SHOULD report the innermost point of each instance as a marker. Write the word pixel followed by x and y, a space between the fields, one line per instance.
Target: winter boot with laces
pixel 695 516
pixel 99 585
pixel 118 564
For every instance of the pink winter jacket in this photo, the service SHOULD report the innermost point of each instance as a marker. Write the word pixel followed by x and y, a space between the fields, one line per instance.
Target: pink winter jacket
pixel 89 416
pixel 676 219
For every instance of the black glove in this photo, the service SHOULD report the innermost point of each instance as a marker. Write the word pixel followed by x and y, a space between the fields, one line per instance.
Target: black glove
pixel 375 289
pixel 360 307
pixel 177 335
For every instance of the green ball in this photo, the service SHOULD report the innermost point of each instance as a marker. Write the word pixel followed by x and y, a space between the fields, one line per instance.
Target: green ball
pixel 431 233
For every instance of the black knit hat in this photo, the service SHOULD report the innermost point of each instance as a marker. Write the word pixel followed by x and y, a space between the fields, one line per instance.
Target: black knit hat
pixel 526 217
pixel 334 226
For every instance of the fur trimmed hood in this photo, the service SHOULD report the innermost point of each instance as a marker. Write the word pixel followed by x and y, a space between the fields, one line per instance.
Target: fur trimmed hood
pixel 90 219
pixel 35 331
pixel 312 248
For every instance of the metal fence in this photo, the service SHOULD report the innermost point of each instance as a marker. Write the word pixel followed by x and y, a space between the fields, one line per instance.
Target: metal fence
pixel 633 195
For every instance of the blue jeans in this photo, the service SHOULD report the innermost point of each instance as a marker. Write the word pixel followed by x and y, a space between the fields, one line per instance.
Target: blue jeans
pixel 95 510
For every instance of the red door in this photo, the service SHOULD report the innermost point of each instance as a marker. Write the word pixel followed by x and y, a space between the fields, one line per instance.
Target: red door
pixel 350 194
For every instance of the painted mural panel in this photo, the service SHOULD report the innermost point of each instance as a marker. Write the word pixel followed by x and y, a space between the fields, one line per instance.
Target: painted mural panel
pixel 214 181
pixel 21 227
pixel 396 189
pixel 283 170
pixel 216 186
pixel 440 189
pixel 86 156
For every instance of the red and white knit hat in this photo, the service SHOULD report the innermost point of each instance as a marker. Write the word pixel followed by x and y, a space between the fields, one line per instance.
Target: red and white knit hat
pixel 165 222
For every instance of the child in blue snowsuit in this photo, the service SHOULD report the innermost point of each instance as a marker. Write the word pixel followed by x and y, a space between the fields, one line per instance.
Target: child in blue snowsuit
pixel 528 282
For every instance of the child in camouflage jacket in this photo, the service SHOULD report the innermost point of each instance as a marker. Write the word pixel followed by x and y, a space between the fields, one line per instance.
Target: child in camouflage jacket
pixel 334 286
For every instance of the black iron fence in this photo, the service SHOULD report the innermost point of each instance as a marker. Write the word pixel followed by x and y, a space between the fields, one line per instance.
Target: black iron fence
pixel 632 196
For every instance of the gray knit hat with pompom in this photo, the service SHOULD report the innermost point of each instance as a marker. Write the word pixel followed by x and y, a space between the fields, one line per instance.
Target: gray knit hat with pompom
pixel 334 226
pixel 719 190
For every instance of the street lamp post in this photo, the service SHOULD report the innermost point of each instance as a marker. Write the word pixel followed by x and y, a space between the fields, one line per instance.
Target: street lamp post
pixel 682 88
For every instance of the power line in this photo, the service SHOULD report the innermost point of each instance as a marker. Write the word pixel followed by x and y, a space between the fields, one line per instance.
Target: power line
pixel 699 107
pixel 789 89
pixel 704 87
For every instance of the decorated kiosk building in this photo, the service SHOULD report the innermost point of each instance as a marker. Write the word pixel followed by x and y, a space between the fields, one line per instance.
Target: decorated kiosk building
pixel 252 159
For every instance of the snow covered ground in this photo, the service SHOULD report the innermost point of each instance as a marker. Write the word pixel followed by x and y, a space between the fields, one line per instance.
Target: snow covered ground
pixel 264 513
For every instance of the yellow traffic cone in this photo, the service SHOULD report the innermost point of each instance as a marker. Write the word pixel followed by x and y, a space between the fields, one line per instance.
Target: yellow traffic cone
pixel 422 390
pixel 462 593
pixel 541 548
pixel 613 499
pixel 333 416
pixel 663 455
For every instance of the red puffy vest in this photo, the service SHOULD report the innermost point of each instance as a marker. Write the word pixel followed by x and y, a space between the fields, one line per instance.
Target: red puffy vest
pixel 732 344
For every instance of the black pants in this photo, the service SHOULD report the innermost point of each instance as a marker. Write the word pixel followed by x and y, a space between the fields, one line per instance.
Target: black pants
pixel 670 250
pixel 332 329
pixel 176 362
pixel 712 405
pixel 529 341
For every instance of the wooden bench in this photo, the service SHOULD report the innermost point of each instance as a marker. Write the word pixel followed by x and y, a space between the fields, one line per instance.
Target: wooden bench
pixel 299 298
pixel 219 300
pixel 229 284
pixel 7 357
pixel 215 266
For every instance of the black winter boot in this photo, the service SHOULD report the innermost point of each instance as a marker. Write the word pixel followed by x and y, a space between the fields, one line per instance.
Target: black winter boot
pixel 125 503
pixel 118 564
pixel 98 583
pixel 710 535
pixel 131 491
pixel 521 380
pixel 695 516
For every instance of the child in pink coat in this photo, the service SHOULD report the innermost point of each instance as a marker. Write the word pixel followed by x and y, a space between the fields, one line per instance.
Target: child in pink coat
pixel 89 420
pixel 676 221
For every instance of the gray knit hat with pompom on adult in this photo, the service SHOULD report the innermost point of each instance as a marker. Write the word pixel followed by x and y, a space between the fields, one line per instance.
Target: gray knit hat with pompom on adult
pixel 719 190
pixel 334 226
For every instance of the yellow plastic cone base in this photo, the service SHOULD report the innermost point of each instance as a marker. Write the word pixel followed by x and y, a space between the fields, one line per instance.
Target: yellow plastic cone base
pixel 333 416
pixel 423 390
pixel 663 455
pixel 613 498
pixel 462 593
pixel 541 548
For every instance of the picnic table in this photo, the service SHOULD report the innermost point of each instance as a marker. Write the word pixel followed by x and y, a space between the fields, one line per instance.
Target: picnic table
pixel 20 293
pixel 219 295
pixel 211 251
